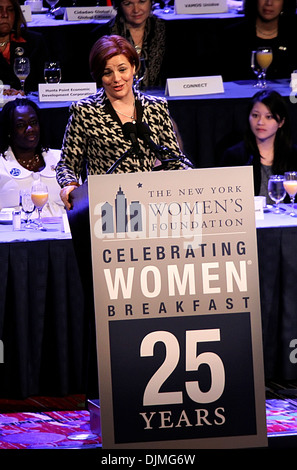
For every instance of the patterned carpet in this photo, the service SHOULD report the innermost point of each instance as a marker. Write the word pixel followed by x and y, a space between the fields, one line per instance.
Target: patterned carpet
pixel 52 429
pixel 39 426
pixel 281 416
pixel 46 423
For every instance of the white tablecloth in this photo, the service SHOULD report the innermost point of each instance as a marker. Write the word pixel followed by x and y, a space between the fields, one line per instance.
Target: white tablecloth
pixel 54 231
pixel 278 220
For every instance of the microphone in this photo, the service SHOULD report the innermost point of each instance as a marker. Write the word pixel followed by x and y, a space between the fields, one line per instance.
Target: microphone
pixel 145 133
pixel 130 133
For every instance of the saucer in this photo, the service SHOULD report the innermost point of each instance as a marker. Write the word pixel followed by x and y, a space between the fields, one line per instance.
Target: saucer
pixel 43 10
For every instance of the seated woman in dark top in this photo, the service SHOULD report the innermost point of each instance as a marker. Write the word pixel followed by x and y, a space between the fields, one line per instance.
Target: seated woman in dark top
pixel 268 23
pixel 267 144
pixel 136 23
pixel 17 41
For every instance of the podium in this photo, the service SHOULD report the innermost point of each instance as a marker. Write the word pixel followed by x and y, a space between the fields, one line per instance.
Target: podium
pixel 176 299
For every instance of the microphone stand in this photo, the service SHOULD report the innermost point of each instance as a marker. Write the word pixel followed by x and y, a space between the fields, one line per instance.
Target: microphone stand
pixel 128 153
pixel 144 133
pixel 163 151
pixel 130 133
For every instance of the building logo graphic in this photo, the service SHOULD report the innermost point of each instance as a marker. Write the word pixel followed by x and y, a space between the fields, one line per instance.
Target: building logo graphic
pixel 159 218
pixel 121 218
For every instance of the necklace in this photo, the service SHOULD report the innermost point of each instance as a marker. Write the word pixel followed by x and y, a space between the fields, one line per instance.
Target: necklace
pixel 4 43
pixel 272 33
pixel 138 48
pixel 127 115
pixel 31 163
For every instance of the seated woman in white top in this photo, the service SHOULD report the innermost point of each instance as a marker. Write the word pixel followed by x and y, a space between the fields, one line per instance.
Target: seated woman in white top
pixel 23 157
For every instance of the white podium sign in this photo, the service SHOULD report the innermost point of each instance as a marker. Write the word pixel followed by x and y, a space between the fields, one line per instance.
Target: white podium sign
pixel 177 308
pixel 89 13
pixel 184 7
pixel 65 91
pixel 194 86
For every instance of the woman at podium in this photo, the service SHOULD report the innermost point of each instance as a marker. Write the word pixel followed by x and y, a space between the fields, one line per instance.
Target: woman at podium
pixel 118 127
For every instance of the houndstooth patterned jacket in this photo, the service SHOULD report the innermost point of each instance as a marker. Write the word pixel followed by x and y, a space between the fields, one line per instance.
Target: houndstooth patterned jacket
pixel 94 139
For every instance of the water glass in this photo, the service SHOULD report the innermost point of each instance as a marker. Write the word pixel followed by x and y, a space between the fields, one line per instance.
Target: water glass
pixel 52 72
pixel 276 190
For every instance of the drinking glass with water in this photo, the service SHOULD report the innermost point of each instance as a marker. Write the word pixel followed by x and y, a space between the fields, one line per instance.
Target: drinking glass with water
pixel 52 72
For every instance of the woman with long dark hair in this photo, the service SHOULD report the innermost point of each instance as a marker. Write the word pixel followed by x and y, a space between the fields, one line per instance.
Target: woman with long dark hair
pixel 267 144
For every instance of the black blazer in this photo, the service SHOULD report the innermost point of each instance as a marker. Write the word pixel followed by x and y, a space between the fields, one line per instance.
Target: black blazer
pixel 35 49
pixel 240 39
pixel 239 156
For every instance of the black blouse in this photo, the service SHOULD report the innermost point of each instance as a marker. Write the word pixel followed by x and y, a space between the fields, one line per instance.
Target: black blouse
pixel 35 49
pixel 240 40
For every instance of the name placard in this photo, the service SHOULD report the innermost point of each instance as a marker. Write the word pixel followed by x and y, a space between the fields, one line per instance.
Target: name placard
pixel 65 91
pixel 88 13
pixel 293 82
pixel 26 10
pixel 185 7
pixel 260 203
pixel 194 86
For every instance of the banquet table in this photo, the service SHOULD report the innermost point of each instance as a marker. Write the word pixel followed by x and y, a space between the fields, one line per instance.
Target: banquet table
pixel 70 42
pixel 42 320
pixel 277 261
pixel 42 310
pixel 277 257
pixel 208 124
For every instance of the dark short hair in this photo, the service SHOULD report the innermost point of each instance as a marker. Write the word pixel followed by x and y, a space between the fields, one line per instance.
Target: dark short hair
pixel 251 9
pixel 19 22
pixel 107 47
pixel 117 4
pixel 7 122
